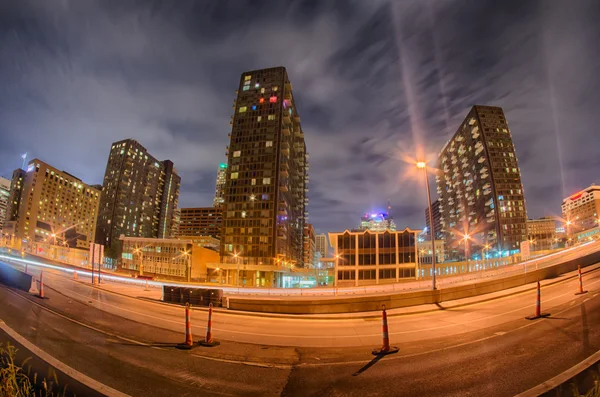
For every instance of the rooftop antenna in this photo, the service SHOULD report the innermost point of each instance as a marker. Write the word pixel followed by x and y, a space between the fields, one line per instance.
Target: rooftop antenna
pixel 24 157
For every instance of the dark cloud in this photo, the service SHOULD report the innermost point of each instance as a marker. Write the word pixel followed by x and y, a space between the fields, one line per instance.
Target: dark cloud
pixel 374 81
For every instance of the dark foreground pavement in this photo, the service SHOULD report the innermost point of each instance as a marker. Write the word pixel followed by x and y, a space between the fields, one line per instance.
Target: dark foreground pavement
pixel 141 360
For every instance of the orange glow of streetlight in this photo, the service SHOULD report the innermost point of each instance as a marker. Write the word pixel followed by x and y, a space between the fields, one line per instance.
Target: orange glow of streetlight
pixel 421 164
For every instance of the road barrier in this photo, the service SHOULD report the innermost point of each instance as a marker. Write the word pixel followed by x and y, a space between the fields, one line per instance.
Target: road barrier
pixel 15 278
pixel 193 296
pixel 538 306
pixel 209 341
pixel 581 291
pixel 74 275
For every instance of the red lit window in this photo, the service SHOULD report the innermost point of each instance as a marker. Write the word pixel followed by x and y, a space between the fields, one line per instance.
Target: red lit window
pixel 273 99
pixel 262 100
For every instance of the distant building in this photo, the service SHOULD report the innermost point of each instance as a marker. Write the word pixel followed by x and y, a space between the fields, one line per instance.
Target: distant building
pixel 139 195
pixel 424 248
pixel 16 189
pixel 4 199
pixel 541 233
pixel 167 258
pixel 309 245
pixel 374 257
pixel 479 186
pixel 266 185
pixel 59 208
pixel 581 210
pixel 201 221
pixel 437 221
pixel 377 222
pixel 176 221
pixel 203 241
pixel 321 245
pixel 220 185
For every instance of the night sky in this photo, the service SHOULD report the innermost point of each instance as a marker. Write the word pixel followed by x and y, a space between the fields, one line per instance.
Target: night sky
pixel 374 82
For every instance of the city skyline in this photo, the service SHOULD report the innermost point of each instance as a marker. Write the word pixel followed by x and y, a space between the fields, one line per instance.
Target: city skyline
pixel 354 126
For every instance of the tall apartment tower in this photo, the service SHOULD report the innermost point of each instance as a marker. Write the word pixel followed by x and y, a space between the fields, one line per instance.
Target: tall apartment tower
pixel 437 220
pixel 321 245
pixel 4 199
pixel 480 187
pixel 140 195
pixel 220 185
pixel 16 189
pixel 265 189
pixel 56 207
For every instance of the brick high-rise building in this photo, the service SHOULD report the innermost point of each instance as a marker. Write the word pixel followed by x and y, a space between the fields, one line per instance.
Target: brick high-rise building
pixel 265 189
pixel 321 245
pixel 437 221
pixel 202 221
pixel 139 195
pixel 480 187
pixel 56 207
pixel 220 185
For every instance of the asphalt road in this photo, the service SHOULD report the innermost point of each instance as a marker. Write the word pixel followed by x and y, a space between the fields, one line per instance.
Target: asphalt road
pixel 441 353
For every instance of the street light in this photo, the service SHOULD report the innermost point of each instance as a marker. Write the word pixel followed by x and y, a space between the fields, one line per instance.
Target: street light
pixel 138 251
pixel 486 248
pixel 422 165
pixel 238 268
pixel 466 239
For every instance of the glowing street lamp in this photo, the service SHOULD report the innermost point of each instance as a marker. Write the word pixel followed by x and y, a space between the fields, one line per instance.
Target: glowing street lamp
pixel 422 165
pixel 466 239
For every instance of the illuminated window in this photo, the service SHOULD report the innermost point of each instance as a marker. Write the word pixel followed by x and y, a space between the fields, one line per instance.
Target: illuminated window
pixel 271 117
pixel 256 85
pixel 273 99
pixel 247 77
pixel 234 175
pixel 275 88
pixel 261 100
pixel 246 88
pixel 253 182
pixel 266 181
pixel 262 90
pixel 259 118
pixel 253 107
pixel 269 144
pixel 237 153
pixel 243 109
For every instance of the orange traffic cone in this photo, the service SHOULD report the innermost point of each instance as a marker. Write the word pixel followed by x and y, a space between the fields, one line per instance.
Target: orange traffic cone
pixel 538 306
pixel 209 341
pixel 189 341
pixel 41 289
pixel 385 348
pixel 581 291
pixel 75 275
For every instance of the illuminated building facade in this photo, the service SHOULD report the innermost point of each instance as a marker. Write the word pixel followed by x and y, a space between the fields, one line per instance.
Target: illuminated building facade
pixel 221 178
pixel 309 245
pixel 16 189
pixel 377 222
pixel 374 257
pixel 582 210
pixel 56 207
pixel 4 199
pixel 265 189
pixel 541 233
pixel 139 195
pixel 479 186
pixel 202 221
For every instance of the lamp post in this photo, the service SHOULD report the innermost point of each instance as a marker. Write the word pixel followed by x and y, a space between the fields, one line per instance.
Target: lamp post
pixel 466 238
pixel 238 268
pixel 422 165
pixel 335 276
pixel 139 252
pixel 485 249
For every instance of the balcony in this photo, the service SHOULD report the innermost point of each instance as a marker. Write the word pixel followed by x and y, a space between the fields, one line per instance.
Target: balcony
pixel 298 133
pixel 297 119
pixel 284 173
pixel 286 119
pixel 285 131
pixel 284 188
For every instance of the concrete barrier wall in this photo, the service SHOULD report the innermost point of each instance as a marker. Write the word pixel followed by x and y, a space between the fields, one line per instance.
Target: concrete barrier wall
pixel 371 303
pixel 14 278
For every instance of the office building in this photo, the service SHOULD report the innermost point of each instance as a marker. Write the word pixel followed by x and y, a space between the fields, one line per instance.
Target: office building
pixel 4 199
pixel 377 222
pixel 581 211
pixel 437 221
pixel 309 245
pixel 174 259
pixel 479 186
pixel 374 257
pixel 424 248
pixel 56 207
pixel 265 188
pixel 201 221
pixel 321 245
pixel 541 233
pixel 139 196
pixel 176 221
pixel 220 185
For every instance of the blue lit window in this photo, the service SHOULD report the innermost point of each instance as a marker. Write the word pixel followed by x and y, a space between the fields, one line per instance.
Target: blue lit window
pixel 253 107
